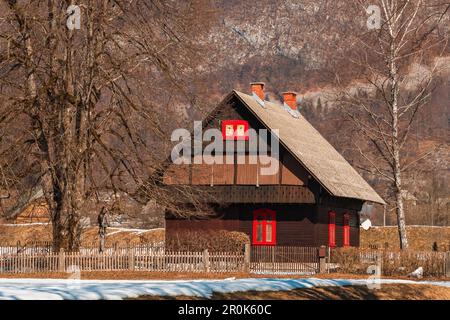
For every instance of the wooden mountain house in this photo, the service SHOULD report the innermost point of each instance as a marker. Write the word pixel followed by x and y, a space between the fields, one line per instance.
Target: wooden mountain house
pixel 313 199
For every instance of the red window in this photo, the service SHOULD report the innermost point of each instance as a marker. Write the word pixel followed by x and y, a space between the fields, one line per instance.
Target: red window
pixel 235 130
pixel 346 224
pixel 332 229
pixel 264 227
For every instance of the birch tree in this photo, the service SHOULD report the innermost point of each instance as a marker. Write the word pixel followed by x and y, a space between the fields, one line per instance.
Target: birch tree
pixel 396 63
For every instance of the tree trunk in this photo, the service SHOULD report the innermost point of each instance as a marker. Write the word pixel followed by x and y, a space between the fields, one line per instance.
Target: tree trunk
pixel 396 165
pixel 102 242
pixel 66 228
pixel 400 210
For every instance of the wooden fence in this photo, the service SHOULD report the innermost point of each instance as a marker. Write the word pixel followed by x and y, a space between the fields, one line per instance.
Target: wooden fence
pixel 256 259
pixel 261 259
pixel 133 260
pixel 284 259
pixel 392 263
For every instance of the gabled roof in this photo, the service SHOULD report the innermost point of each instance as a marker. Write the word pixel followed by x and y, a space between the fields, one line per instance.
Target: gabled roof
pixel 311 149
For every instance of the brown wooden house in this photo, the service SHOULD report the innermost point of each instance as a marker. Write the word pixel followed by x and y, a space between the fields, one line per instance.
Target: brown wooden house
pixel 313 199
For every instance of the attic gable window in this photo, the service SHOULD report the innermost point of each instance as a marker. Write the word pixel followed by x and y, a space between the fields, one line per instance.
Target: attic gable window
pixel 235 130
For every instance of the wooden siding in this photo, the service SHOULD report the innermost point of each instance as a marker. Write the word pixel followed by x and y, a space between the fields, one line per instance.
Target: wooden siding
pixel 246 172
pixel 295 223
pixel 322 225
pixel 300 225
pixel 179 225
pixel 291 172
pixel 176 174
pixel 201 173
pixel 223 174
pixel 268 163
pixel 250 194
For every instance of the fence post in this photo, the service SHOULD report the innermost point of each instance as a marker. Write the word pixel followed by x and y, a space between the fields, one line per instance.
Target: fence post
pixel 206 260
pixel 247 257
pixel 272 255
pixel 130 259
pixel 447 264
pixel 322 259
pixel 62 260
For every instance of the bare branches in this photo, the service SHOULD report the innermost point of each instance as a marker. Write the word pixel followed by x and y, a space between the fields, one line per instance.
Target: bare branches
pixel 89 100
pixel 397 80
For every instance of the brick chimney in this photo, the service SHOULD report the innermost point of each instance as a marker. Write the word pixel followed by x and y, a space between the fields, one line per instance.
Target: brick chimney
pixel 290 99
pixel 258 89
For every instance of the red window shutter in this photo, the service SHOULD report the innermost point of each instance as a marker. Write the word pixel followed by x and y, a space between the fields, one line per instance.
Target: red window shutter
pixel 264 227
pixel 331 229
pixel 346 230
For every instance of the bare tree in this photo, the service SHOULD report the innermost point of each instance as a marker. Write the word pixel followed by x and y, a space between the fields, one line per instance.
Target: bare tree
pixel 396 66
pixel 81 109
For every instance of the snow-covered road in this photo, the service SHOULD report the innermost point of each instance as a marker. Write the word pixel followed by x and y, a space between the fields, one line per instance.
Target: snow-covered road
pixel 56 289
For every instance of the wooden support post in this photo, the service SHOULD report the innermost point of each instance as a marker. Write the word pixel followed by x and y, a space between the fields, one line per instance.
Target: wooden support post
pixel 447 264
pixel 206 260
pixel 247 257
pixel 322 259
pixel 131 259
pixel 62 260
pixel 272 254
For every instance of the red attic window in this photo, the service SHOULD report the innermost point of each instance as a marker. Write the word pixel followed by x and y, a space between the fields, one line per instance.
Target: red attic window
pixel 332 229
pixel 235 130
pixel 264 227
pixel 346 224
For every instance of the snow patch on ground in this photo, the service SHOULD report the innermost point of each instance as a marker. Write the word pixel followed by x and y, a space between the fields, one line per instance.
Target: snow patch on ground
pixel 58 289
pixel 134 230
pixel 25 224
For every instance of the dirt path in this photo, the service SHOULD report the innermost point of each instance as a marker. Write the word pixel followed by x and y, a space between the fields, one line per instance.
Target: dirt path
pixel 386 292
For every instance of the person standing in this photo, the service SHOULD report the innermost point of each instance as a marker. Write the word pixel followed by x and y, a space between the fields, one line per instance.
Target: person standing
pixel 103 223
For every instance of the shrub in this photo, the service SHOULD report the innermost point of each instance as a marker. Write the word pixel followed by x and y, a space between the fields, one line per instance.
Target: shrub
pixel 348 260
pixel 213 240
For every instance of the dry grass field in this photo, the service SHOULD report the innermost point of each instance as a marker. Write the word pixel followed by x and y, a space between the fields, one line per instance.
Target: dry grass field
pixel 421 238
pixel 12 233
